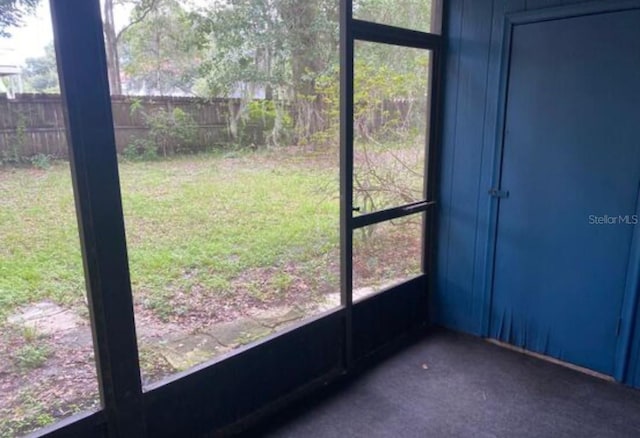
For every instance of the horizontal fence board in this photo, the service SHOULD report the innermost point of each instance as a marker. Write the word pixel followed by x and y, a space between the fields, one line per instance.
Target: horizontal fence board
pixel 34 124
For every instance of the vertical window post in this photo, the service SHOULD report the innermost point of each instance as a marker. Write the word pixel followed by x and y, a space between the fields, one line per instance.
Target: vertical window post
pixel 346 170
pixel 82 70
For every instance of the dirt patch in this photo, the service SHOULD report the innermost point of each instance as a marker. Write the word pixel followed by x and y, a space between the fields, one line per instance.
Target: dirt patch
pixel 44 378
pixel 291 285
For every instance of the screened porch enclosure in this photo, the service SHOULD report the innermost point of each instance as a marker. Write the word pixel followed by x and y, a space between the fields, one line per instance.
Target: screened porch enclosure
pixel 358 301
pixel 423 224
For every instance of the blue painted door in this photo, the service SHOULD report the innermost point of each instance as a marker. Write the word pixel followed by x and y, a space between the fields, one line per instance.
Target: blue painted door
pixel 571 164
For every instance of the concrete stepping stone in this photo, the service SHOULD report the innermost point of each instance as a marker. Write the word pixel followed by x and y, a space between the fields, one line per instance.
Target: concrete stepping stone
pixel 364 292
pixel 189 351
pixel 333 300
pixel 276 316
pixel 46 318
pixel 239 332
pixel 79 338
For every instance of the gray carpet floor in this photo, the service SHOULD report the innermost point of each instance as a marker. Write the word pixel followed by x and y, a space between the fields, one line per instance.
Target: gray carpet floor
pixel 451 385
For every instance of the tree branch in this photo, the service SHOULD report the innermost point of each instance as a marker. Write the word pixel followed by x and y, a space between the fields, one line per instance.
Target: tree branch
pixel 146 11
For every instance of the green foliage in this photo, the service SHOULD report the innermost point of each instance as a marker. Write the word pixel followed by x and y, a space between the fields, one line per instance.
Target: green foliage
pixel 41 161
pixel 263 112
pixel 244 48
pixel 289 48
pixel 162 306
pixel 412 14
pixel 328 88
pixel 378 86
pixel 275 47
pixel 173 132
pixel 31 356
pixel 281 281
pixel 136 107
pixel 40 74
pixel 170 132
pixel 390 123
pixel 13 13
pixel 159 53
pixel 274 120
pixel 286 50
pixel 33 414
pixel 29 334
pixel 378 83
pixel 15 156
pixel 140 149
pixel 247 47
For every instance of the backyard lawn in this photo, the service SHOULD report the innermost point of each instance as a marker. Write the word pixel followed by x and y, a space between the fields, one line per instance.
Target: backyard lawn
pixel 212 240
pixel 190 221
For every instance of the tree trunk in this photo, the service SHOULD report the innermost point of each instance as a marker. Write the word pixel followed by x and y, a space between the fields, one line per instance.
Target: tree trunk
pixel 300 18
pixel 111 47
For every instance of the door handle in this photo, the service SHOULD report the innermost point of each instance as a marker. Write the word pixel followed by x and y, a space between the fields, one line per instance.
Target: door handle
pixel 497 193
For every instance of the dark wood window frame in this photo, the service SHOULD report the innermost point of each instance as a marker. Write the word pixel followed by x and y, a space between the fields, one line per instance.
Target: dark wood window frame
pixel 275 370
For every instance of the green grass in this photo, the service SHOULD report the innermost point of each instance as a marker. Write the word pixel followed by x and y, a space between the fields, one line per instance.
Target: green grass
pixel 39 245
pixel 204 233
pixel 31 356
pixel 194 221
pixel 208 229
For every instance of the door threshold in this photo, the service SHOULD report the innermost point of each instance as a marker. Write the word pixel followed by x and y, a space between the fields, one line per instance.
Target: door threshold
pixel 552 360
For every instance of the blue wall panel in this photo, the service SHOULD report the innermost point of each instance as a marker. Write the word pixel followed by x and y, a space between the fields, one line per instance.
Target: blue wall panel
pixel 469 27
pixel 474 30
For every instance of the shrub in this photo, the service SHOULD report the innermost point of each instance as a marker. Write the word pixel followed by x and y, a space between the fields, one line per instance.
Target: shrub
pixel 273 118
pixel 15 155
pixel 41 161
pixel 140 149
pixel 170 133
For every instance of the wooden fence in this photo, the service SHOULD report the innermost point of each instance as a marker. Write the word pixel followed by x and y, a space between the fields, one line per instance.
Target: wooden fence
pixel 33 124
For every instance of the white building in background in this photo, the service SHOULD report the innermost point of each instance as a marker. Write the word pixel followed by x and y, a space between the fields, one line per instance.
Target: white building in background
pixel 10 72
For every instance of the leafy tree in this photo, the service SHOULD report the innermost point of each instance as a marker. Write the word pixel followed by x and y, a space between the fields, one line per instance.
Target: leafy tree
pixel 141 8
pixel 279 46
pixel 170 132
pixel 313 38
pixel 412 14
pixel 244 49
pixel 40 74
pixel 244 53
pixel 160 53
pixel 13 13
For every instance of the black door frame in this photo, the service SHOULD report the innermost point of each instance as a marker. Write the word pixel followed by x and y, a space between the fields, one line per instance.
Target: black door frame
pixel 352 30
